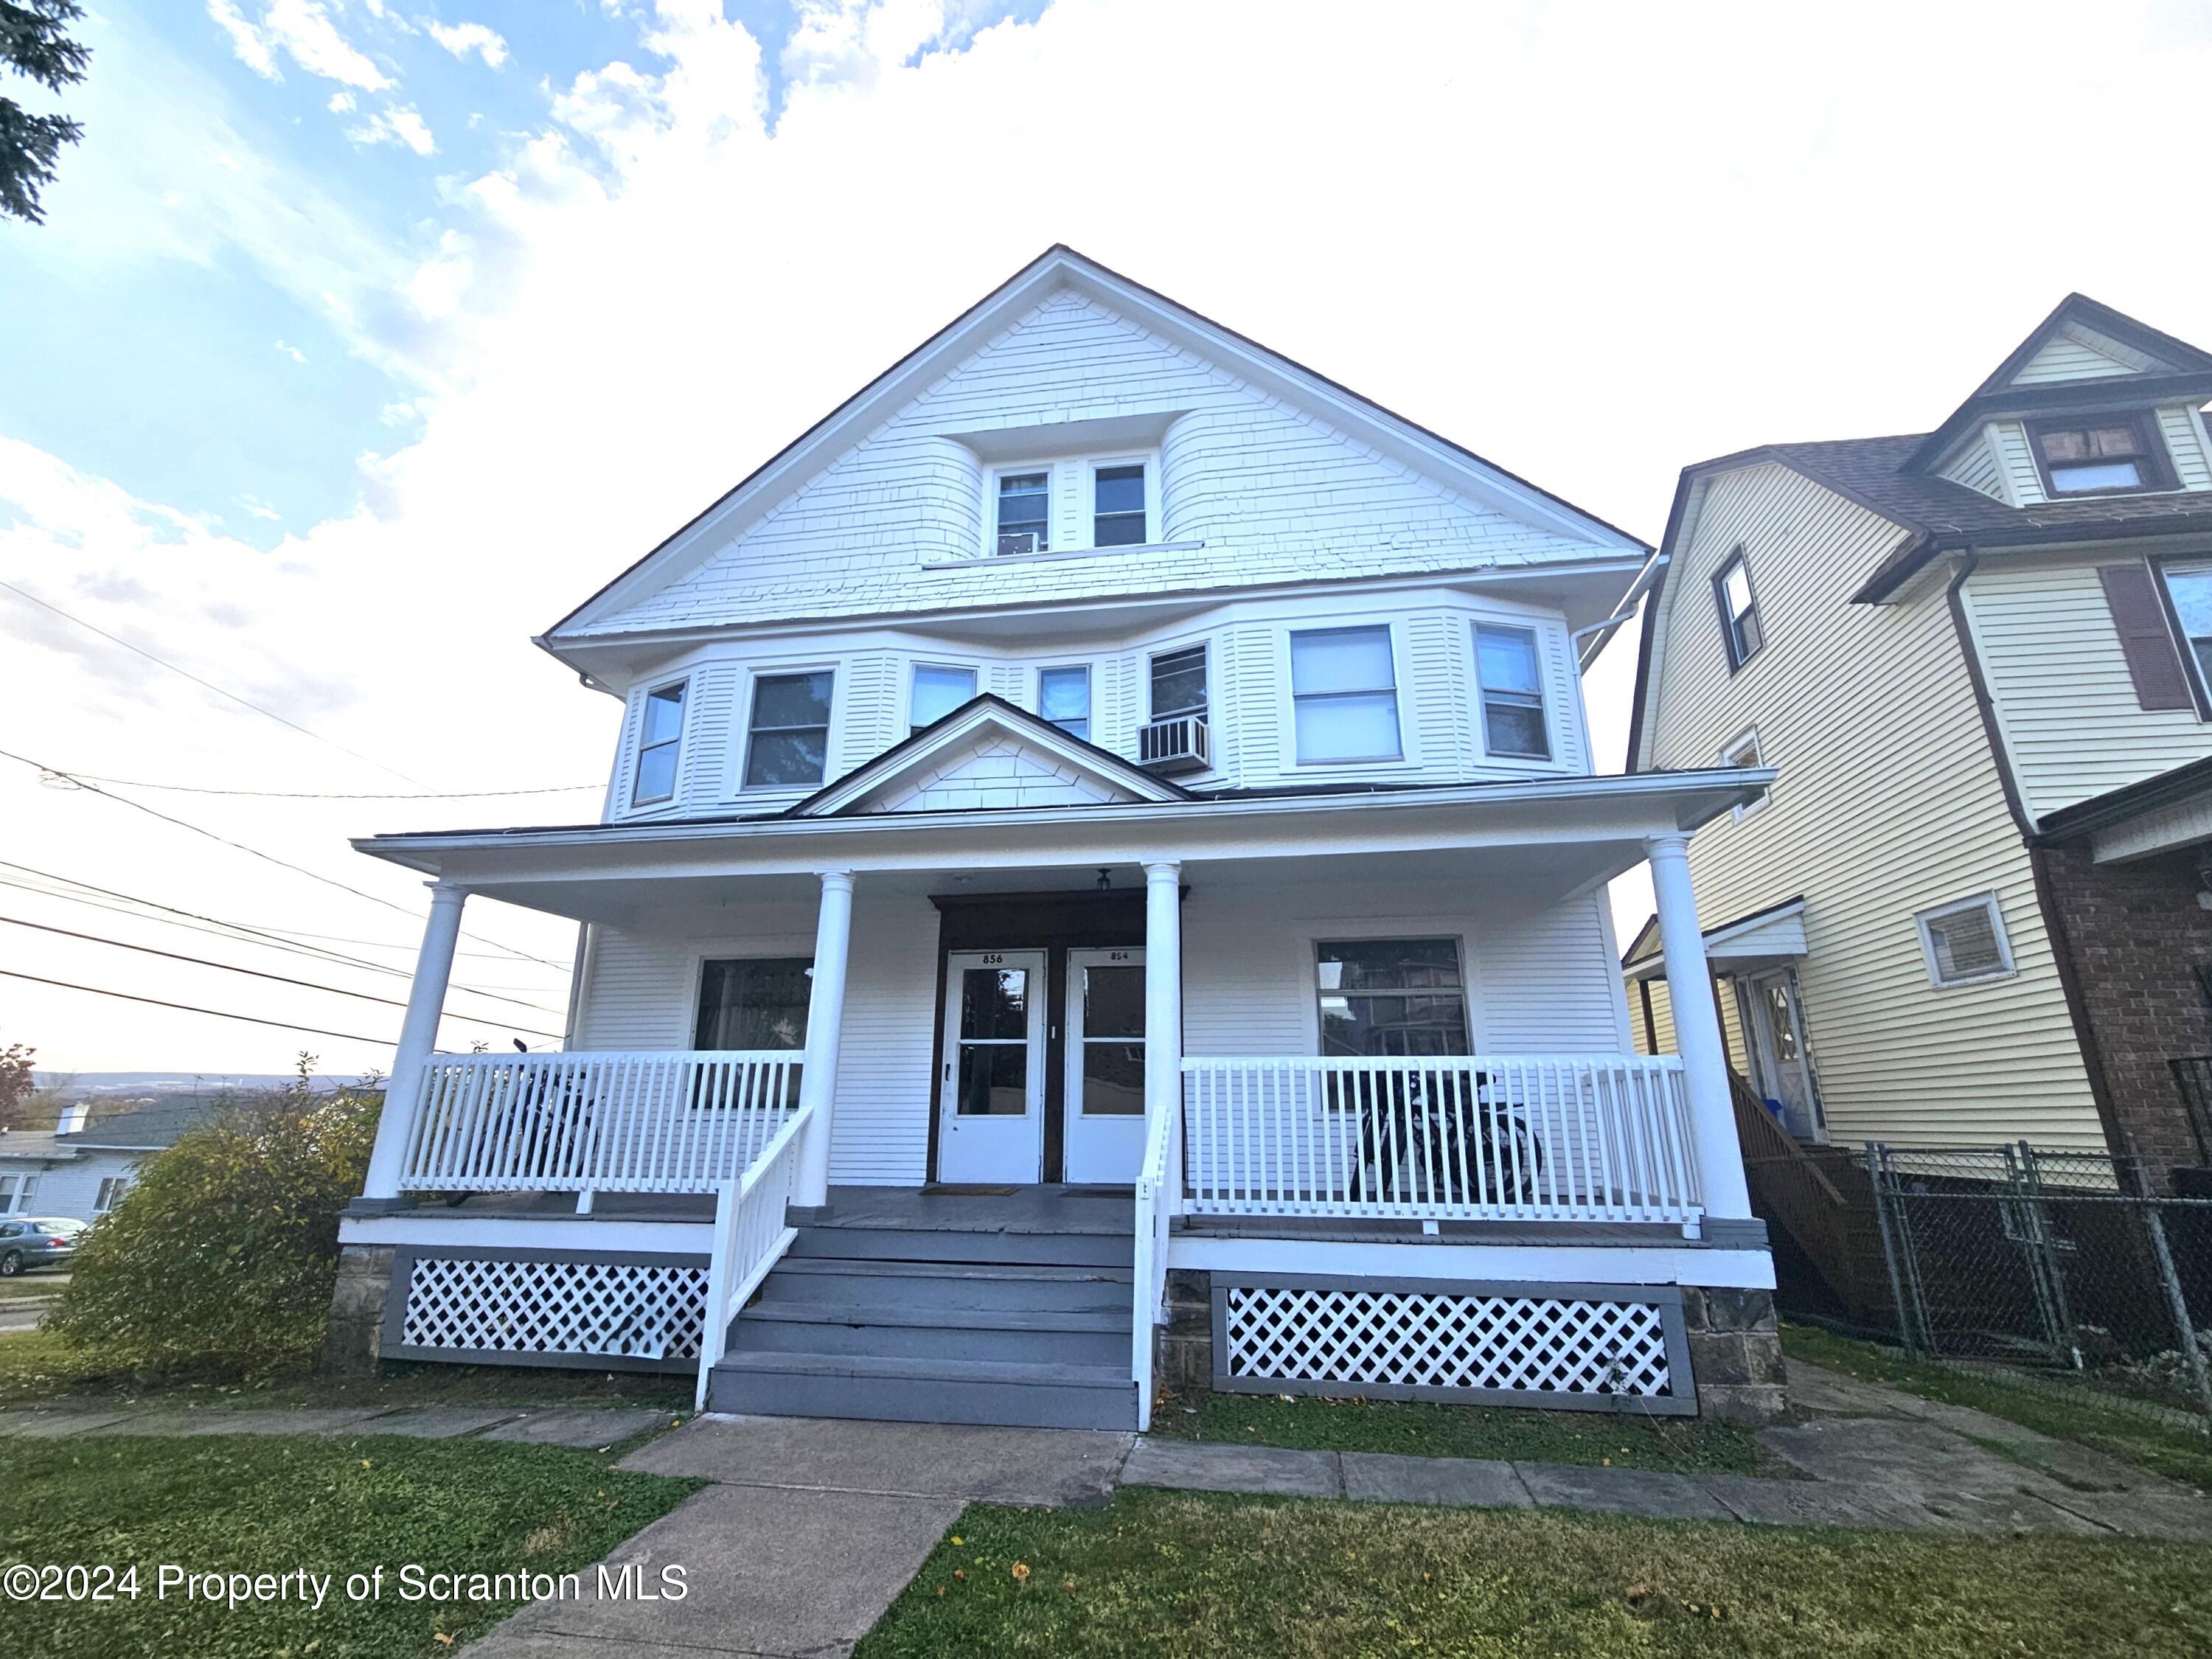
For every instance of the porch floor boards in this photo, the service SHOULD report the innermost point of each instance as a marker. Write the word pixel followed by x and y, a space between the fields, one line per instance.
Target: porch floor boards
pixel 1103 1211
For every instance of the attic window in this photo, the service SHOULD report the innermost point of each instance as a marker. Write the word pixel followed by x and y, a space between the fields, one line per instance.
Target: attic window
pixel 2112 455
pixel 1025 512
pixel 1740 630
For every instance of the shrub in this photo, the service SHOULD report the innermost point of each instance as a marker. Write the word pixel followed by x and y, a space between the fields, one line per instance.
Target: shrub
pixel 221 1257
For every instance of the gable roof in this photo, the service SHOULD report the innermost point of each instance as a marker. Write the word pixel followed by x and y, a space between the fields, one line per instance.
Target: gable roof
pixel 957 734
pixel 151 1128
pixel 1772 934
pixel 1058 268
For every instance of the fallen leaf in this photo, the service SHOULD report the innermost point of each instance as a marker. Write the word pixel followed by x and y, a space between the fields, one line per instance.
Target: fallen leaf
pixel 1021 1572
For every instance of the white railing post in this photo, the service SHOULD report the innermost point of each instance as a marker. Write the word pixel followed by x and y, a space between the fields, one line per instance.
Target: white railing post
pixel 1698 1031
pixel 825 1020
pixel 418 1035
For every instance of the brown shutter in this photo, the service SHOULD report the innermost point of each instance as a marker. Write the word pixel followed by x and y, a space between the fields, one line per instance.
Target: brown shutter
pixel 2155 667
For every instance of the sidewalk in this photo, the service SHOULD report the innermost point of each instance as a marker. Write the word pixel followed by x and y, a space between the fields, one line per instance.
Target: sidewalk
pixel 584 1428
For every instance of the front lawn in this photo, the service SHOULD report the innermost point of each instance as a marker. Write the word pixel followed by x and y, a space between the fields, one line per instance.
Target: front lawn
pixel 1419 1430
pixel 331 1506
pixel 1171 1573
pixel 38 1370
pixel 2178 1453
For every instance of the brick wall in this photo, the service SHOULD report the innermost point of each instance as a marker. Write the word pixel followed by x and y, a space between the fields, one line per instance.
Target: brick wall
pixel 2138 938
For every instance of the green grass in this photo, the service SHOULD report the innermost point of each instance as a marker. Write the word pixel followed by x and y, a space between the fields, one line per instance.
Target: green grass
pixel 329 1505
pixel 1161 1573
pixel 2178 1453
pixel 37 1370
pixel 1427 1430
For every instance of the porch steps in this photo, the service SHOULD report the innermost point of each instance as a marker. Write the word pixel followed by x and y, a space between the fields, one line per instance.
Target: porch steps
pixel 938 1324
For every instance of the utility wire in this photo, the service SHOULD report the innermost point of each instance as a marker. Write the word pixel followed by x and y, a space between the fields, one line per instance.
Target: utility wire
pixel 218 1013
pixel 240 845
pixel 243 702
pixel 281 979
pixel 268 940
pixel 301 794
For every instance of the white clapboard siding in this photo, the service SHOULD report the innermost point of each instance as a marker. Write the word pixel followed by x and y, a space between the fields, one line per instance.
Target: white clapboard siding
pixel 884 1096
pixel 1975 467
pixel 1889 802
pixel 2009 441
pixel 2192 469
pixel 2060 681
pixel 2065 356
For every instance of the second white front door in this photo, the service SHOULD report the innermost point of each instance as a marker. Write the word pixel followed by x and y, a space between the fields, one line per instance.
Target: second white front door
pixel 991 1086
pixel 1105 1095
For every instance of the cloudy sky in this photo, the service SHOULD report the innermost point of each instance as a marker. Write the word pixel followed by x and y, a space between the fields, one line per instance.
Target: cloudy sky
pixel 366 336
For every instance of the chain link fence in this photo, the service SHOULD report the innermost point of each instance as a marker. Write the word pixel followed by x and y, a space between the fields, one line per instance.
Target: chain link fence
pixel 2067 1264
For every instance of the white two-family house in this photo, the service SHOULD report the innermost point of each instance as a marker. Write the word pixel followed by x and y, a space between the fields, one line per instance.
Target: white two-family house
pixel 1102 884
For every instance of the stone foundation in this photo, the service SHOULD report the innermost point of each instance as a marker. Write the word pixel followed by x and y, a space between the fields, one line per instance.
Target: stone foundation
pixel 1735 1347
pixel 354 1336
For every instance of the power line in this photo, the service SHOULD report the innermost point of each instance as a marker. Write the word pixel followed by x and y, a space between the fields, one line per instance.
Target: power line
pixel 243 702
pixel 255 973
pixel 268 940
pixel 217 1013
pixel 240 845
pixel 308 794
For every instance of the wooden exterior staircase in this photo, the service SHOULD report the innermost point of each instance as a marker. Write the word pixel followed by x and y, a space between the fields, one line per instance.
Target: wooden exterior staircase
pixel 1822 1198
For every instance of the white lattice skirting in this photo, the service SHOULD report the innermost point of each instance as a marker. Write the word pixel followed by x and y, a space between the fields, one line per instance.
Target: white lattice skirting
pixel 617 1309
pixel 1428 1339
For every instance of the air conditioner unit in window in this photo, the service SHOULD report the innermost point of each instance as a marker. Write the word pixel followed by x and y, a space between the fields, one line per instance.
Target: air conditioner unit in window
pixel 1176 743
pixel 1017 541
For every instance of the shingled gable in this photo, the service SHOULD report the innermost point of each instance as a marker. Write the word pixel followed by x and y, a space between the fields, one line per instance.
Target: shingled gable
pixel 1555 529
pixel 987 753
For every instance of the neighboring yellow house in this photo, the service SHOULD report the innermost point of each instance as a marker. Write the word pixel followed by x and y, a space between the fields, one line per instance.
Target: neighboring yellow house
pixel 1977 905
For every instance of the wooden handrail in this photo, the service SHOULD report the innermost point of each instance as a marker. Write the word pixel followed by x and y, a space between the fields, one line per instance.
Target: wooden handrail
pixel 1761 1138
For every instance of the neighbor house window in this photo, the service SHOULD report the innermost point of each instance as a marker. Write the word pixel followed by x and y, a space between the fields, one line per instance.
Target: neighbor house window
pixel 16 1193
pixel 1179 683
pixel 1025 512
pixel 112 1189
pixel 1966 941
pixel 1344 697
pixel 2114 453
pixel 1743 751
pixel 1391 996
pixel 1512 694
pixel 660 736
pixel 1739 629
pixel 1118 506
pixel 937 693
pixel 753 1002
pixel 2189 586
pixel 1064 698
pixel 788 744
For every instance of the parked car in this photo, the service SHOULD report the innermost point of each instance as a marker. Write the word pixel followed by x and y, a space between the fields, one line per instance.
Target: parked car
pixel 37 1241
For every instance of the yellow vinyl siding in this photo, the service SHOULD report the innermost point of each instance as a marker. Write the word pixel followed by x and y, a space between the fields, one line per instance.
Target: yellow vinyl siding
pixel 2060 682
pixel 1662 1020
pixel 1889 802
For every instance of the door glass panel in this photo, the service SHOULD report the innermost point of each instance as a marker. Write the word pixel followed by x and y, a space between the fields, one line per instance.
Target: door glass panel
pixel 995 1080
pixel 1113 1079
pixel 1778 1019
pixel 994 1004
pixel 1112 1002
pixel 1114 1041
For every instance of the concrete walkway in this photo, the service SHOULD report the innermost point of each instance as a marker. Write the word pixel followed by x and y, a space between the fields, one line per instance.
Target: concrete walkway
pixel 584 1428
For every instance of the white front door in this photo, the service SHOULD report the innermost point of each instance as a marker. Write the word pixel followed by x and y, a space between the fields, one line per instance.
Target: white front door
pixel 991 1091
pixel 1782 1056
pixel 1105 1065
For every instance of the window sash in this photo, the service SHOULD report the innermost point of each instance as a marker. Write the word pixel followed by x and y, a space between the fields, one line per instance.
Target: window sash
pixel 1372 1005
pixel 660 737
pixel 753 1002
pixel 2189 589
pixel 1966 942
pixel 1344 695
pixel 2112 455
pixel 1510 654
pixel 1073 714
pixel 1028 496
pixel 1179 670
pixel 1739 607
pixel 806 741
pixel 1114 520
pixel 938 691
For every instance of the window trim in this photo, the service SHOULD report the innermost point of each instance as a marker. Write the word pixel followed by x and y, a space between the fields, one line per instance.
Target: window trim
pixel 1986 901
pixel 1476 624
pixel 755 674
pixel 991 490
pixel 1738 556
pixel 1748 737
pixel 121 1183
pixel 2150 432
pixel 2200 691
pixel 683 683
pixel 1152 654
pixel 1090 696
pixel 770 947
pixel 1408 928
pixel 1073 532
pixel 1291 635
pixel 973 670
pixel 1150 462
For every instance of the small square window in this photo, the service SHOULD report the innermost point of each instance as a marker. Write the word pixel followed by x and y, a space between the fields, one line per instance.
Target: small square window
pixel 1512 694
pixel 1064 698
pixel 937 692
pixel 660 736
pixel 1118 507
pixel 1740 630
pixel 1743 751
pixel 1025 512
pixel 1966 942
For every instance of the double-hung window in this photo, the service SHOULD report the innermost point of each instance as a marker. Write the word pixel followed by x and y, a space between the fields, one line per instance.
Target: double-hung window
pixel 2190 587
pixel 2110 455
pixel 1343 695
pixel 1064 698
pixel 937 692
pixel 1513 722
pixel 787 745
pixel 660 737
pixel 1179 683
pixel 1391 996
pixel 1118 518
pixel 1739 629
pixel 1025 512
pixel 1965 942
pixel 112 1189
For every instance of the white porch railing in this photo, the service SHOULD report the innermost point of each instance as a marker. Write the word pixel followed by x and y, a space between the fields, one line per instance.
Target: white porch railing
pixel 750 1236
pixel 1158 1201
pixel 671 1121
pixel 1477 1137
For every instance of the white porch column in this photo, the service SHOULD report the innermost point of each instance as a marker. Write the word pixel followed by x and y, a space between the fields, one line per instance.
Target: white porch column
pixel 1163 991
pixel 418 1035
pixel 1697 1030
pixel 825 1022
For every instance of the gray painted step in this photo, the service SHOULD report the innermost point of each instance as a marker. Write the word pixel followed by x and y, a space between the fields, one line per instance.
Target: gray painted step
pixel 1026 1335
pixel 916 1390
pixel 1116 1249
pixel 948 1285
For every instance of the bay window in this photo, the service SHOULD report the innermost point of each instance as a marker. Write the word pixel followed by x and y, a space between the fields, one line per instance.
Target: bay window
pixel 1344 695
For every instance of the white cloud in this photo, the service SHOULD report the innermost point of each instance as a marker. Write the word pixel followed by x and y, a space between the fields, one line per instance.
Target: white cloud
pixel 342 103
pixel 259 509
pixel 462 38
pixel 304 29
pixel 398 125
pixel 254 47
pixel 292 351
